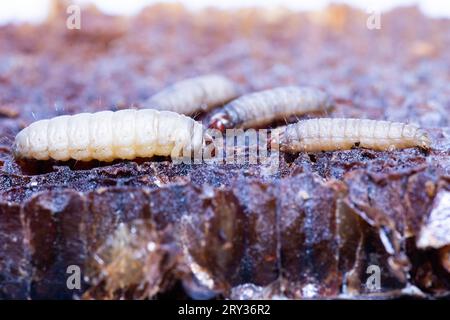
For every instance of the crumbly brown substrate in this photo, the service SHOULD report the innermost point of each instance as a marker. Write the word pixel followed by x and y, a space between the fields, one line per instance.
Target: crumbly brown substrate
pixel 309 229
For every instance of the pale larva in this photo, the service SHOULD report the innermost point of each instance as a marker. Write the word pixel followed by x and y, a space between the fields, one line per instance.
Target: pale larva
pixel 339 134
pixel 109 135
pixel 261 108
pixel 195 94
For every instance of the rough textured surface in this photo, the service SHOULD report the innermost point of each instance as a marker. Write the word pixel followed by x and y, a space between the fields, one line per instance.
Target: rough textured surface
pixel 309 229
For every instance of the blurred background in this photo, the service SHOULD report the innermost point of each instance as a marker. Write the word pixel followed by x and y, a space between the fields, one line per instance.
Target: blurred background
pixel 36 10
pixel 125 51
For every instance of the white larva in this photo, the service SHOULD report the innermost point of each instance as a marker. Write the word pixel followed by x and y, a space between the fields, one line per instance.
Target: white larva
pixel 192 95
pixel 263 107
pixel 328 134
pixel 108 135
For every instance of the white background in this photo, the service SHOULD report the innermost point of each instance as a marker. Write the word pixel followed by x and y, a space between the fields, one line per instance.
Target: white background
pixel 36 10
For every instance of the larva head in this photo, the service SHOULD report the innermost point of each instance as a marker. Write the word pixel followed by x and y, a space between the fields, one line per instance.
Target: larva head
pixel 423 140
pixel 289 140
pixel 191 145
pixel 276 137
pixel 220 121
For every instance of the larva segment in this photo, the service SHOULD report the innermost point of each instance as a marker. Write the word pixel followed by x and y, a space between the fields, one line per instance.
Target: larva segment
pixel 58 141
pixel 100 134
pixel 78 135
pixel 108 135
pixel 261 108
pixel 328 134
pixel 195 94
pixel 125 126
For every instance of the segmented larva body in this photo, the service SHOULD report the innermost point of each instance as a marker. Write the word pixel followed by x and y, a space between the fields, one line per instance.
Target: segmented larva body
pixel 328 134
pixel 263 107
pixel 109 135
pixel 195 94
